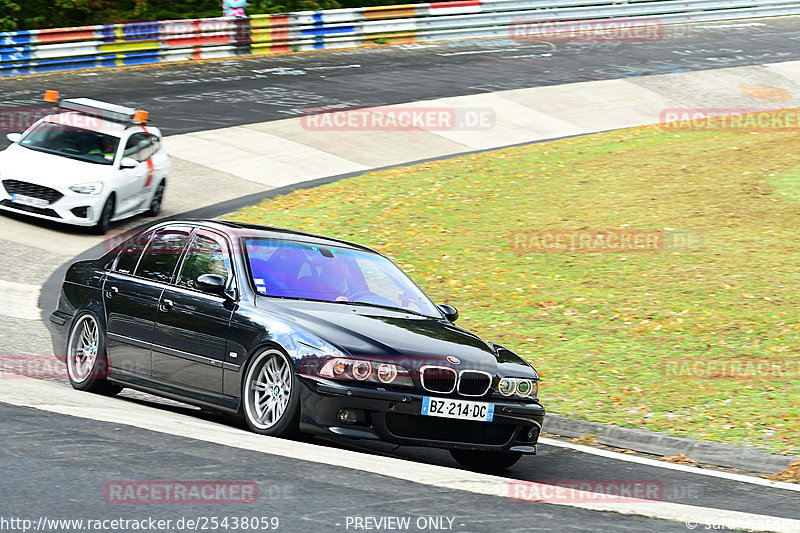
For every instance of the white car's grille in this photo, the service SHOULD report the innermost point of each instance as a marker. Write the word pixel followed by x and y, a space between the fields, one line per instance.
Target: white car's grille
pixel 32 190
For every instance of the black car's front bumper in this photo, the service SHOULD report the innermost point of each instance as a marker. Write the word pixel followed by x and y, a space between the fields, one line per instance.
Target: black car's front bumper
pixel 396 417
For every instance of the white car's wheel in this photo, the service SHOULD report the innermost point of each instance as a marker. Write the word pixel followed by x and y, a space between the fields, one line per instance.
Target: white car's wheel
pixel 155 203
pixel 101 228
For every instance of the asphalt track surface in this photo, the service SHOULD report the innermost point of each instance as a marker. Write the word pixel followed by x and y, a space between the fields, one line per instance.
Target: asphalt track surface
pixel 69 483
pixel 55 465
pixel 191 97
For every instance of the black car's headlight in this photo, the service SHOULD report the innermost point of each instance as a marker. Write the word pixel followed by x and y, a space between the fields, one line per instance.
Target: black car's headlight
pixel 368 371
pixel 525 388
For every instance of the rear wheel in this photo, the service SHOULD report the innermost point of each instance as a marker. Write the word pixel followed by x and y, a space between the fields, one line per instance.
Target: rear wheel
pixel 155 203
pixel 101 228
pixel 271 402
pixel 87 365
pixel 485 461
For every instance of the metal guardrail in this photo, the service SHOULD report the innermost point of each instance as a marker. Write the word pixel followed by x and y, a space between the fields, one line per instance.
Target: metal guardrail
pixel 112 45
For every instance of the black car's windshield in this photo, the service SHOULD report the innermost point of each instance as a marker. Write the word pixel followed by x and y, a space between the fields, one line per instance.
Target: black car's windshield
pixel 70 141
pixel 333 274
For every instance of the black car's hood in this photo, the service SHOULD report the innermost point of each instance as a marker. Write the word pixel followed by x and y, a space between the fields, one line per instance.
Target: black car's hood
pixel 386 335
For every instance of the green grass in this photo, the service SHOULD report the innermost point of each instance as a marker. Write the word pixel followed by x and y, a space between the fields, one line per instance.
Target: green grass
pixel 617 337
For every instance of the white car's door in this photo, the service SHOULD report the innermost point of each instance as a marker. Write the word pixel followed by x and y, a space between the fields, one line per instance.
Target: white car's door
pixel 133 184
pixel 161 162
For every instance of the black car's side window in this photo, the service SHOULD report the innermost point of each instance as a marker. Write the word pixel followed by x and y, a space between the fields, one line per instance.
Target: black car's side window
pixel 128 258
pixel 162 254
pixel 207 254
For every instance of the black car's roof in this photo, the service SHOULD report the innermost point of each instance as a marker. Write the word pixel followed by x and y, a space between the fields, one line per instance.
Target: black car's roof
pixel 244 229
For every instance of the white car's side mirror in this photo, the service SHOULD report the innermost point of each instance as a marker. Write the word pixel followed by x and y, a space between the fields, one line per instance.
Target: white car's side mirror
pixel 128 162
pixel 14 137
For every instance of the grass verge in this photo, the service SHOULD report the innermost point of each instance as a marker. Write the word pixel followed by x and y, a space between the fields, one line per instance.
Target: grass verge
pixel 697 339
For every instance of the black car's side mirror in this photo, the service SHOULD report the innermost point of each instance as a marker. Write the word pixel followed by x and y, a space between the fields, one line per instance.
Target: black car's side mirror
pixel 211 283
pixel 450 312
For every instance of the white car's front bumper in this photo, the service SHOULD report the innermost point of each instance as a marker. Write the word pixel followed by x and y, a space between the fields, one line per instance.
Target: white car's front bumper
pixel 71 208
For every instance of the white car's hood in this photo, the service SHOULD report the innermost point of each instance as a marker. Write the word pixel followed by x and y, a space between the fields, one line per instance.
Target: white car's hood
pixel 24 164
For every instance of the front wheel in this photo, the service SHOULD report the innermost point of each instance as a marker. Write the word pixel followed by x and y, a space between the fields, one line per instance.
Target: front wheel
pixel 155 203
pixel 101 228
pixel 271 402
pixel 485 461
pixel 87 364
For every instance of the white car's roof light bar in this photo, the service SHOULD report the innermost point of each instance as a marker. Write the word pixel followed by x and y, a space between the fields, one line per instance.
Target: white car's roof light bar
pixel 104 110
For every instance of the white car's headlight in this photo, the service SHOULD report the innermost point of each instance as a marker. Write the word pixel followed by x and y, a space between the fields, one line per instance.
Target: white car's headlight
pixel 93 187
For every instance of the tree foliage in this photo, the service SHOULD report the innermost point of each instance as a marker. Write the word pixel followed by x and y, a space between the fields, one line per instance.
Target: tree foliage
pixel 33 14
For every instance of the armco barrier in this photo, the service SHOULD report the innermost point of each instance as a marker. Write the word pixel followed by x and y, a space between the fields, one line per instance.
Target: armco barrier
pixel 25 52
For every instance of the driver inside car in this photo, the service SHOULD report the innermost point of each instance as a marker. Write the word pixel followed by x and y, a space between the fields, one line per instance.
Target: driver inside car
pixel 105 148
pixel 334 273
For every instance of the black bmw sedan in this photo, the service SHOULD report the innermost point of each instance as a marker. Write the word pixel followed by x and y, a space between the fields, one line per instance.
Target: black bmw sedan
pixel 295 333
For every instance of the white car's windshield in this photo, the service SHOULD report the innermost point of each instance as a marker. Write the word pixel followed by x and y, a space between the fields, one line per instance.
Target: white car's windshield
pixel 333 274
pixel 69 141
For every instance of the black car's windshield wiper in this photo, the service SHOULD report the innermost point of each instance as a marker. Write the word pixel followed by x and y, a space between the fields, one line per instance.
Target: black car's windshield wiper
pixel 381 306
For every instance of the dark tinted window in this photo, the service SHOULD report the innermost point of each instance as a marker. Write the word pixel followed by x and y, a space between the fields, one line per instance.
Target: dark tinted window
pixel 206 255
pixel 72 142
pixel 332 273
pixel 162 254
pixel 139 146
pixel 130 254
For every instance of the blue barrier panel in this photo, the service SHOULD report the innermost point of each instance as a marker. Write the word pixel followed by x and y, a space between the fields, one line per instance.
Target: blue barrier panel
pixel 11 38
pixel 131 58
pixel 53 65
pixel 319 32
pixel 15 54
pixel 15 69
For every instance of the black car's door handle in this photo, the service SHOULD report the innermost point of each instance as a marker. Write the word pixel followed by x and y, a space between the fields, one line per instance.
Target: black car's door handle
pixel 111 292
pixel 166 305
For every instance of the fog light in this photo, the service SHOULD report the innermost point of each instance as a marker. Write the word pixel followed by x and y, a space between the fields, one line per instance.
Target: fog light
pixel 533 433
pixel 348 416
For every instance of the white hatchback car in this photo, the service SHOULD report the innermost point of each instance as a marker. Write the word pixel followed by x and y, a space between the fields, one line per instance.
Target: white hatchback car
pixel 89 163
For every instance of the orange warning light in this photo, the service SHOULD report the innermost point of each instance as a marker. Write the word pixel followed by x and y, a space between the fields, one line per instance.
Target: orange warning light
pixel 51 96
pixel 141 116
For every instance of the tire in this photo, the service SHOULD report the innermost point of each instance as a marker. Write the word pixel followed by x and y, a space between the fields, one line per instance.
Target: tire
pixel 155 203
pixel 101 228
pixel 270 397
pixel 87 364
pixel 485 461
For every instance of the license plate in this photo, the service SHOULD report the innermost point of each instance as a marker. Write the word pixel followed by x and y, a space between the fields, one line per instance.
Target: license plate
pixel 459 409
pixel 29 200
